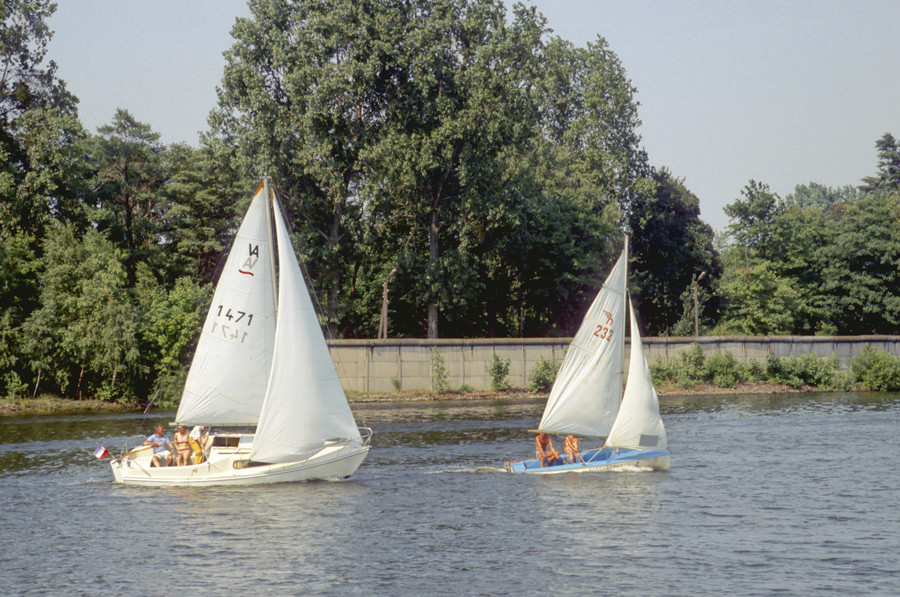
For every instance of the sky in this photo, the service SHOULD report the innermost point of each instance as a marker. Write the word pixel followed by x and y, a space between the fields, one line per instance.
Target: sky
pixel 784 92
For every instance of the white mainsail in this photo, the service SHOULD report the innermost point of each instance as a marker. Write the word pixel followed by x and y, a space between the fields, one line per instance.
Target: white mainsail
pixel 638 425
pixel 228 376
pixel 585 397
pixel 305 405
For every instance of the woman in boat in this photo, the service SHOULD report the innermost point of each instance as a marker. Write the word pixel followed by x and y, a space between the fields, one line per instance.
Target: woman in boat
pixel 546 453
pixel 183 445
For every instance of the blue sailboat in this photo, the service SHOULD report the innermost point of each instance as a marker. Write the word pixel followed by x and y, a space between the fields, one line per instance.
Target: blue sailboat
pixel 587 399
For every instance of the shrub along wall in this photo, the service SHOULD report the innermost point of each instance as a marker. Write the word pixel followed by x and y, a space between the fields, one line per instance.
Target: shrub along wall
pixel 408 364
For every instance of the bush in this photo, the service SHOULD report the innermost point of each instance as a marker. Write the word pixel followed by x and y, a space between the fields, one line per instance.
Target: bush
pixel 543 374
pixel 753 371
pixel 876 370
pixel 723 370
pixel 685 371
pixel 806 370
pixel 439 381
pixel 498 369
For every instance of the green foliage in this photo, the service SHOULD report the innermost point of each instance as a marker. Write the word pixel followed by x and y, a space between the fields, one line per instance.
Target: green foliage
pixel 498 369
pixel 876 370
pixel 170 321
pixel 670 246
pixel 543 374
pixel 439 381
pixel 686 371
pixel 756 301
pixel 723 370
pixel 805 370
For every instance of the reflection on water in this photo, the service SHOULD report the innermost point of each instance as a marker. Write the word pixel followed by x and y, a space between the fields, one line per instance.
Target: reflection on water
pixel 765 495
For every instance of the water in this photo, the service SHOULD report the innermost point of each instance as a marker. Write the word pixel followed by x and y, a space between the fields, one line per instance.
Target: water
pixel 767 495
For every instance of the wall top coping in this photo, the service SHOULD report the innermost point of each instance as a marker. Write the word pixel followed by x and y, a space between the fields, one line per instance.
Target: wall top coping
pixel 399 342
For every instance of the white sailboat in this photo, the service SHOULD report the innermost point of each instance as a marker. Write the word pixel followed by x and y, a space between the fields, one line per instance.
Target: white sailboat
pixel 587 399
pixel 264 364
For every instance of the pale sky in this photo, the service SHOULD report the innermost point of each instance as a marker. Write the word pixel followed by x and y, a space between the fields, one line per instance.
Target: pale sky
pixel 784 92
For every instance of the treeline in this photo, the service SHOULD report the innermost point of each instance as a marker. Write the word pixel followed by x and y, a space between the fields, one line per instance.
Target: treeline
pixel 492 167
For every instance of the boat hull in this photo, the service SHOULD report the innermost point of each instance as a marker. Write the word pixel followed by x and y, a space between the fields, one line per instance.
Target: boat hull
pixel 232 468
pixel 607 459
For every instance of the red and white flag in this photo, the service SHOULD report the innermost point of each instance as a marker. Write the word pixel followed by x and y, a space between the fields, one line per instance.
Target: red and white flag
pixel 101 452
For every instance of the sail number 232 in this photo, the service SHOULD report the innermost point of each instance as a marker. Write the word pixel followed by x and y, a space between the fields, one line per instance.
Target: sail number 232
pixel 603 332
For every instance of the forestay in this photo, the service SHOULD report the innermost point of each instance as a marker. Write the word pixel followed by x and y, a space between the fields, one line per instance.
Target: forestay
pixel 227 380
pixel 305 403
pixel 585 397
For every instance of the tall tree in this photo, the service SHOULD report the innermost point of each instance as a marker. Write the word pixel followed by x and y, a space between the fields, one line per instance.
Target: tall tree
pixel 753 218
pixel 888 177
pixel 671 247
pixel 83 337
pixel 306 86
pixel 462 108
pixel 128 181
pixel 861 274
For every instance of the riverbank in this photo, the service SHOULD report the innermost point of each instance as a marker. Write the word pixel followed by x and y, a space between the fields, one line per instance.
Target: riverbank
pixel 48 405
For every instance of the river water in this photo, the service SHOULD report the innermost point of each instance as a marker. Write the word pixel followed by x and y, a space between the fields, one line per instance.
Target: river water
pixel 767 495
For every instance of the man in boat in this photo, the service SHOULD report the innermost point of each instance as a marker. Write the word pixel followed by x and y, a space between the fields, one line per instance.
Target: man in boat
pixel 571 449
pixel 161 447
pixel 198 438
pixel 543 445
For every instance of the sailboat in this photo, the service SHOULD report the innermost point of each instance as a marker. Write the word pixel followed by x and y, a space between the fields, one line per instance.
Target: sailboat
pixel 587 399
pixel 261 361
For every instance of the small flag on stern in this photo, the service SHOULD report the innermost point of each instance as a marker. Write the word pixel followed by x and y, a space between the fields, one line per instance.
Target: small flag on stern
pixel 101 452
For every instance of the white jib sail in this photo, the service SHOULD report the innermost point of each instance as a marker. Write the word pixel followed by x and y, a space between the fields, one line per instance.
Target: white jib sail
pixel 227 380
pixel 305 403
pixel 585 397
pixel 638 425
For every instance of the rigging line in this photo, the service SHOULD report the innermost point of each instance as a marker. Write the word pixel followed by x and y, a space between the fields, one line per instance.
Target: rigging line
pixel 320 312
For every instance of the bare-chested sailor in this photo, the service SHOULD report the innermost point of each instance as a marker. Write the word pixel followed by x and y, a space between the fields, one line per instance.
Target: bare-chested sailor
pixel 571 449
pixel 543 445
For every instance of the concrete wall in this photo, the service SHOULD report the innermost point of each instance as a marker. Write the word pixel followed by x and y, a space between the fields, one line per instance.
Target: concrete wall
pixel 374 365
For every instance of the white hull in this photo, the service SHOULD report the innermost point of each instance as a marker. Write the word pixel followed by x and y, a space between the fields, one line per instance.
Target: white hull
pixel 228 467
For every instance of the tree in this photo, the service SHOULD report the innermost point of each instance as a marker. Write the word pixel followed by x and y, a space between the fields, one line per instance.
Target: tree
pixel 888 178
pixel 169 322
pixel 444 143
pixel 128 179
pixel 306 87
pixel 84 334
pixel 670 247
pixel 753 218
pixel 203 200
pixel 861 274
pixel 756 300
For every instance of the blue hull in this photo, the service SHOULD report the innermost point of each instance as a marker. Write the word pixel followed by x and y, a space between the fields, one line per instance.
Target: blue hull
pixel 596 460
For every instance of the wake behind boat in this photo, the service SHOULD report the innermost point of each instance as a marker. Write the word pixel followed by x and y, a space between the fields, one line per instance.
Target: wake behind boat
pixel 587 399
pixel 264 364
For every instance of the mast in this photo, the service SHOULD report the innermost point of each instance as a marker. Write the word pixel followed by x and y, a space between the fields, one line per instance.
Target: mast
pixel 270 225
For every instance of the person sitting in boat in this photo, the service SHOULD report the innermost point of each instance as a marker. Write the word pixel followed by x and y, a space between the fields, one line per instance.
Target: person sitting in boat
pixel 571 449
pixel 161 447
pixel 198 438
pixel 546 453
pixel 183 445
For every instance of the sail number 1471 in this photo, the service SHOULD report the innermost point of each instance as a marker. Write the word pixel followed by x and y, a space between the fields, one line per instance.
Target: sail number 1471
pixel 230 331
